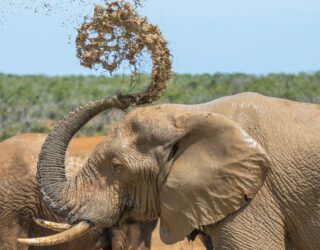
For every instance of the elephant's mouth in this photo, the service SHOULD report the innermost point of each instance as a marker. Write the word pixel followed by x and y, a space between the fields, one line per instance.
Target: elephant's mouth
pixel 125 216
pixel 124 219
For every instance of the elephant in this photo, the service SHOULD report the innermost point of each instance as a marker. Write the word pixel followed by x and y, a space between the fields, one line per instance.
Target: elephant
pixel 20 201
pixel 242 168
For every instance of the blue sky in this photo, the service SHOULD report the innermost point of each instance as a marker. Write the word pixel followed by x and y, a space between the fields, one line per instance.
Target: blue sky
pixel 205 36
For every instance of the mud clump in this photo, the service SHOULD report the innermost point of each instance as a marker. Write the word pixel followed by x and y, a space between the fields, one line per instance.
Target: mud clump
pixel 117 34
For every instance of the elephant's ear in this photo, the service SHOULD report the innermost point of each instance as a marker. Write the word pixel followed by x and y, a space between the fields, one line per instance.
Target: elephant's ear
pixel 217 168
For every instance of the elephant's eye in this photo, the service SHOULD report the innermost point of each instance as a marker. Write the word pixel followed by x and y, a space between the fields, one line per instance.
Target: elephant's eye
pixel 116 168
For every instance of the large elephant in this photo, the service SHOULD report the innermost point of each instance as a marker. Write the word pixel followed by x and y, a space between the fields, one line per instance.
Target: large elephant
pixel 20 201
pixel 244 169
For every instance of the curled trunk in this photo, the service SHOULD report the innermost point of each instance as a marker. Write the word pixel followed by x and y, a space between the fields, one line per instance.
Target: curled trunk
pixel 51 164
pixel 59 194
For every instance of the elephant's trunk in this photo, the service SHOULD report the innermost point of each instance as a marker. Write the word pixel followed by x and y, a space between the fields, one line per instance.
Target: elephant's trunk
pixel 51 164
pixel 55 190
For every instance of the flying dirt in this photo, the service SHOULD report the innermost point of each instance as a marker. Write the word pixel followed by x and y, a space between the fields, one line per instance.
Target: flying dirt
pixel 117 34
pixel 114 37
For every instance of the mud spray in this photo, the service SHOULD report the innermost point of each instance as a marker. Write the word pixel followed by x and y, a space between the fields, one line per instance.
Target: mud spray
pixel 117 34
pixel 114 37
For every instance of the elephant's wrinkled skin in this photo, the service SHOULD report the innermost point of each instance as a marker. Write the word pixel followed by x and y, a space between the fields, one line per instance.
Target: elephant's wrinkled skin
pixel 244 168
pixel 20 201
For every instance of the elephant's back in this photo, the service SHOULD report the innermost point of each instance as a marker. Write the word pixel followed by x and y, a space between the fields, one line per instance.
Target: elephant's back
pixel 18 194
pixel 19 154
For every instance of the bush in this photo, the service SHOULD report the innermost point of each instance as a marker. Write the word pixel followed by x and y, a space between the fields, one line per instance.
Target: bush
pixel 33 103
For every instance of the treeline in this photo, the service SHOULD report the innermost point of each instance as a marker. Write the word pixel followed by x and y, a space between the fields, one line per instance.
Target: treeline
pixel 35 103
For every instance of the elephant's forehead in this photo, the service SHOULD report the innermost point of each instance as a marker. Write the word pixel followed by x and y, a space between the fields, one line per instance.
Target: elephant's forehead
pixel 120 137
pixel 135 125
pixel 149 113
pixel 147 118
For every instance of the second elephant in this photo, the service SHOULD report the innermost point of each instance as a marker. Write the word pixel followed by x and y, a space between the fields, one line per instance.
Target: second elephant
pixel 20 201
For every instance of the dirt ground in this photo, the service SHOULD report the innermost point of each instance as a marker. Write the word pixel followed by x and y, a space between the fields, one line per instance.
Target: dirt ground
pixel 156 243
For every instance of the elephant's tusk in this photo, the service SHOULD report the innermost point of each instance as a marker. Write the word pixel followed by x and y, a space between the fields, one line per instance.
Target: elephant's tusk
pixel 59 238
pixel 59 227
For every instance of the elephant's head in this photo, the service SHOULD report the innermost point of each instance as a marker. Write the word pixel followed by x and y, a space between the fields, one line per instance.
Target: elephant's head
pixel 189 167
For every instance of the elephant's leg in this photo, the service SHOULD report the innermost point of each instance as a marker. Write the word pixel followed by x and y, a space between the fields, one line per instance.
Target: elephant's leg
pixel 118 237
pixel 10 234
pixel 134 236
pixel 140 234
